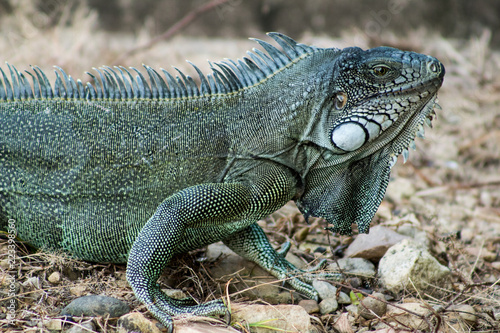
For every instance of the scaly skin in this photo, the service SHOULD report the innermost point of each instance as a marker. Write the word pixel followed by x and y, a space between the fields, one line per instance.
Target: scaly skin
pixel 126 170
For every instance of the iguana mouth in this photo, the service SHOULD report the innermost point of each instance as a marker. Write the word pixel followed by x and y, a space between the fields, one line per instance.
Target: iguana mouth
pixel 414 127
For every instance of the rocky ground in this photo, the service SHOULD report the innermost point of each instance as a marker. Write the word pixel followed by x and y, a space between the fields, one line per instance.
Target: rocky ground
pixel 440 219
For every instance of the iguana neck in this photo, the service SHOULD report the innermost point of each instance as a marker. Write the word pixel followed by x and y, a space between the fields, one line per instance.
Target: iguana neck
pixel 280 122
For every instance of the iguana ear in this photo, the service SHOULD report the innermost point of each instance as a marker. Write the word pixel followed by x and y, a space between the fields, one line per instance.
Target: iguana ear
pixel 346 194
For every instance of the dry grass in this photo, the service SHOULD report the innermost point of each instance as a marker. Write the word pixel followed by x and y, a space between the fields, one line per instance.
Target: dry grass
pixel 454 171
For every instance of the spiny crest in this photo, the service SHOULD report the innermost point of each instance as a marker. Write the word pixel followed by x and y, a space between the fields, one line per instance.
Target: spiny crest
pixel 119 83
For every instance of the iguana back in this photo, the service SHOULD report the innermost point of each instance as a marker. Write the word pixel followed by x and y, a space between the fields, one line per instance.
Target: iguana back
pixel 77 170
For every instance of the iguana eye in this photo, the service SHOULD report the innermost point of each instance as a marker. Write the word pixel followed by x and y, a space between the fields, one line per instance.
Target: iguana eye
pixel 380 70
pixel 340 100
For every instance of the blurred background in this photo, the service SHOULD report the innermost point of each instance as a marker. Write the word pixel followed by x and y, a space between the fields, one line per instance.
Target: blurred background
pixel 79 35
pixel 242 18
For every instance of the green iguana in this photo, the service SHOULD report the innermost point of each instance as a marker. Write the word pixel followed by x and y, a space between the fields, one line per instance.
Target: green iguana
pixel 135 170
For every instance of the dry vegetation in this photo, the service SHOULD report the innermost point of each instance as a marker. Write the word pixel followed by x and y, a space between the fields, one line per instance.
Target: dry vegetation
pixel 454 172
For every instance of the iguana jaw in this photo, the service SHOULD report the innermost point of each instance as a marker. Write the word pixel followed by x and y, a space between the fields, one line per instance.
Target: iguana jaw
pixel 409 125
pixel 400 135
pixel 351 190
pixel 412 128
pixel 398 118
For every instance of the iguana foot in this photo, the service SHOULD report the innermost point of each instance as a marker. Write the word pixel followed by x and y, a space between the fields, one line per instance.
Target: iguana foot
pixel 252 244
pixel 301 280
pixel 164 307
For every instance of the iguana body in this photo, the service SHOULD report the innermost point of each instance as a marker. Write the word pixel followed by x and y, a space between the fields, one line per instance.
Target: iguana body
pixel 128 171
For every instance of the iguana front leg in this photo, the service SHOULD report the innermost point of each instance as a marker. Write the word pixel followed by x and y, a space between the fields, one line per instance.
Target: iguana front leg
pixel 252 244
pixel 197 216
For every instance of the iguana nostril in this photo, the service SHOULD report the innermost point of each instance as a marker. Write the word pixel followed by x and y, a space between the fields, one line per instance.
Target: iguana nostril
pixel 432 67
pixel 435 66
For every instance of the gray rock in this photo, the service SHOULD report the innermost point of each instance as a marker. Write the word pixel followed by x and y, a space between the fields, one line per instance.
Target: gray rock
pixel 374 245
pixel 217 251
pixel 354 266
pixel 272 294
pixel 370 308
pixel 325 289
pixel 410 261
pixel 296 261
pixel 409 225
pixel 344 324
pixel 343 298
pixel 467 235
pixel 229 263
pixel 95 305
pixel 353 310
pixel 328 305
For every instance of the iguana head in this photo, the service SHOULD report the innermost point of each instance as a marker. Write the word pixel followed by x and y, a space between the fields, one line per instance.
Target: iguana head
pixel 379 101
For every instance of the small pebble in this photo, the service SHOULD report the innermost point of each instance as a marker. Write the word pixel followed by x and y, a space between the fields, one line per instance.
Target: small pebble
pixel 353 310
pixel 355 282
pixel 369 303
pixel 310 305
pixel 53 324
pixel 328 305
pixel 344 298
pixel 5 264
pixel 77 290
pixel 325 289
pixel 136 322
pixel 175 293
pixel 54 278
pixel 86 327
pixel 409 315
pixel 320 249
pixel 355 266
pixel 466 312
pixel 283 318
